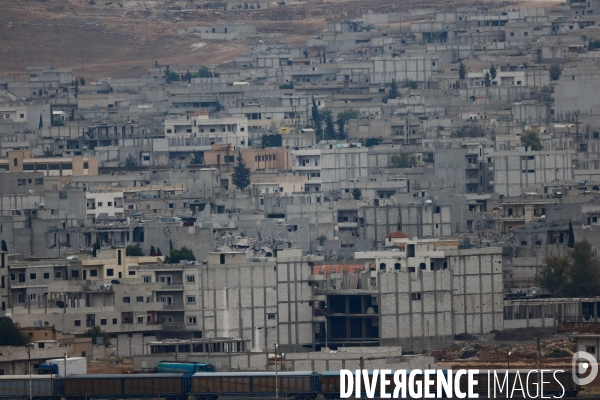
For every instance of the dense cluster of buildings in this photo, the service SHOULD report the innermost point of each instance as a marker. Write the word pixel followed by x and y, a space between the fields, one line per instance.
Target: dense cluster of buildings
pixel 418 214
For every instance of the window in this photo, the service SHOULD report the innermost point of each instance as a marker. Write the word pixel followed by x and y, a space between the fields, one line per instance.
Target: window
pixel 131 272
pixel 75 274
pixel 590 349
pixel 140 319
pixel 32 296
pixel 271 316
pixel 147 279
pixel 191 299
pixel 382 266
pixel 110 272
pixel 415 296
pixel 126 299
pixel 192 320
pixel 46 275
pixel 103 321
pixel 139 299
pixel 93 272
pixel 85 165
pixel 99 204
pixel 191 279
pixel 77 322
pixel 110 203
pixel 32 276
pixel 114 321
pixel 397 266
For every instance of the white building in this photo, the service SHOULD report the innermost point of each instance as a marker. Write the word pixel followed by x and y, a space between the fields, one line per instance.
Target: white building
pixel 109 203
pixel 198 132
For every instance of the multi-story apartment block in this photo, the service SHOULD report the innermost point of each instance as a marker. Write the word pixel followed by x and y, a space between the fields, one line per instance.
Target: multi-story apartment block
pixel 197 132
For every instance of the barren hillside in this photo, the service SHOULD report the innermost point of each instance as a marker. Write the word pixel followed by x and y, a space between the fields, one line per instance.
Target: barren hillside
pixel 125 39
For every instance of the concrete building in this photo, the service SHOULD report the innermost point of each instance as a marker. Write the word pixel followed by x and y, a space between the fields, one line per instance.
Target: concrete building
pixel 197 132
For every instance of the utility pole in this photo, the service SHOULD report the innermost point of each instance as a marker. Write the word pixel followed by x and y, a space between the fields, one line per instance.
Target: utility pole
pixel 537 354
pixel 28 347
pixel 276 374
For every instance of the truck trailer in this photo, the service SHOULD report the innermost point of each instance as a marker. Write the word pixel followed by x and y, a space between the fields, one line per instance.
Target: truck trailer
pixel 64 366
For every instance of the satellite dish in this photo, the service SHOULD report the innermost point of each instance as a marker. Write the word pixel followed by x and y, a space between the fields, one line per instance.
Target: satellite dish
pixel 115 282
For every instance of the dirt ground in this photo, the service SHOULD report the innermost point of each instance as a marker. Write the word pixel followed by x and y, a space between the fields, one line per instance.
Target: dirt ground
pixel 124 39
pixel 556 352
pixel 110 366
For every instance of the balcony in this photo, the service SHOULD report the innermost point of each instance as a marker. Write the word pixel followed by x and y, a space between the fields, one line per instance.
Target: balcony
pixel 347 225
pixel 174 286
pixel 173 306
pixel 173 326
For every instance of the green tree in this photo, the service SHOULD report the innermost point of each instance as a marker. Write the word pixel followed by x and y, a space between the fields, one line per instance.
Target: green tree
pixel 158 251
pixel 188 76
pixel 76 87
pixel 241 173
pixel 393 93
pixel 130 162
pixel 577 275
pixel 493 72
pixel 314 111
pixel 329 128
pixel 487 82
pixel 204 72
pixel 286 86
pixel 403 160
pixel 471 131
pixel 41 124
pixel 72 115
pixel 48 152
pixel 10 334
pixel 274 140
pixel 571 242
pixel 97 332
pixel 555 72
pixel 316 119
pixel 409 83
pixel 172 77
pixel 462 71
pixel 152 250
pixel 584 272
pixel 321 239
pixel 342 119
pixel 594 44
pixel 552 276
pixel 373 142
pixel 356 193
pixel 134 251
pixel 82 81
pixel 197 159
pixel 531 139
pixel 175 255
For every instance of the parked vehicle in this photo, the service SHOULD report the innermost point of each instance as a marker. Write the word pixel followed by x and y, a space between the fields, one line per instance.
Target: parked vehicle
pixel 183 367
pixel 64 366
